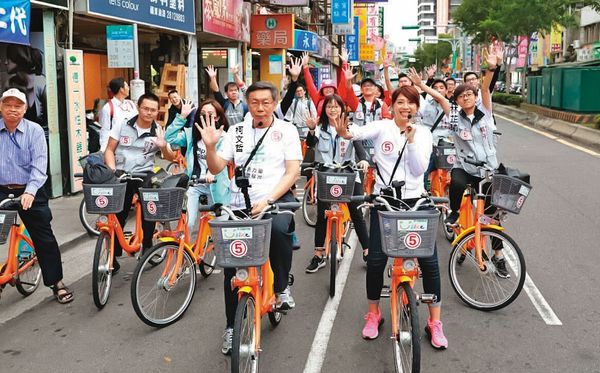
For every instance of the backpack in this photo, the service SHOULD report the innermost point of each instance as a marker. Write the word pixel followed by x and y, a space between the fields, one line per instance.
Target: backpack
pixel 98 173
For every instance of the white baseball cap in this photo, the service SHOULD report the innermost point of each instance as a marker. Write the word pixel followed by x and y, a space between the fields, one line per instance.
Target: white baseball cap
pixel 14 92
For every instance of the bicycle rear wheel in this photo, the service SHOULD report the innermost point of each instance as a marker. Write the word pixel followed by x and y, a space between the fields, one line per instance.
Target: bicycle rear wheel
pixel 332 260
pixel 407 344
pixel 28 280
pixel 156 300
pixel 101 272
pixel 88 220
pixel 309 205
pixel 244 355
pixel 484 289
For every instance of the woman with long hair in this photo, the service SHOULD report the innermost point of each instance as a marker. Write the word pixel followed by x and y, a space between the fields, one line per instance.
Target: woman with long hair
pixel 332 149
pixel 179 135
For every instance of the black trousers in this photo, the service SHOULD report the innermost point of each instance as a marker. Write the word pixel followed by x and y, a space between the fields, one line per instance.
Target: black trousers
pixel 37 220
pixel 459 180
pixel 280 256
pixel 133 187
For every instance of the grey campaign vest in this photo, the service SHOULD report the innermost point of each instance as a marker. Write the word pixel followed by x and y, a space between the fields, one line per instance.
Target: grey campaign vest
pixel 363 116
pixel 136 154
pixel 474 141
pixel 332 148
pixel 430 113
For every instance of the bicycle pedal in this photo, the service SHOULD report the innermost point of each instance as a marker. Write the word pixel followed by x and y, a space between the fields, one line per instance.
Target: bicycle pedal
pixel 427 298
pixel 347 246
pixel 385 291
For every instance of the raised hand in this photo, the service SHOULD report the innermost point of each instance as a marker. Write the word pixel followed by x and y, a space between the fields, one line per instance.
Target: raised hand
pixel 414 76
pixel 159 140
pixel 311 120
pixel 341 126
pixel 295 68
pixel 431 71
pixel 499 49
pixel 235 69
pixel 490 57
pixel 348 74
pixel 210 70
pixel 344 55
pixel 386 63
pixel 208 130
pixel 186 108
pixel 305 59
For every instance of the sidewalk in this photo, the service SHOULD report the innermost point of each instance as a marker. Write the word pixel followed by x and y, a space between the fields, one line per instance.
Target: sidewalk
pixel 577 133
pixel 65 222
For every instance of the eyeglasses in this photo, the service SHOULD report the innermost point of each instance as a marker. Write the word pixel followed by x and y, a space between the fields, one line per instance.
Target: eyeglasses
pixel 148 110
pixel 259 103
pixel 466 95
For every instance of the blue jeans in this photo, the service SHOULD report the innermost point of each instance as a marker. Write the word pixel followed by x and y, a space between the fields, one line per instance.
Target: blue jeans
pixel 193 202
pixel 377 260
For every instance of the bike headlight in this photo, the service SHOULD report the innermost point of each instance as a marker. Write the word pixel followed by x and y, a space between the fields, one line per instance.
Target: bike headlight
pixel 241 274
pixel 409 265
pixel 103 219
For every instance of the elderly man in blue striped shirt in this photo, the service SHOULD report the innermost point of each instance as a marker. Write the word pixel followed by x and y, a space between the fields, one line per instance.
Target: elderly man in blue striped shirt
pixel 23 174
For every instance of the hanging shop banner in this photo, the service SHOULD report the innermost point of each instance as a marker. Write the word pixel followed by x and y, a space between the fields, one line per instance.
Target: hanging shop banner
pixel 325 49
pixel 556 38
pixel 177 15
pixel 272 31
pixel 306 41
pixel 60 4
pixel 352 43
pixel 344 28
pixel 75 89
pixel 289 2
pixel 341 11
pixel 15 21
pixel 229 18
pixel 119 43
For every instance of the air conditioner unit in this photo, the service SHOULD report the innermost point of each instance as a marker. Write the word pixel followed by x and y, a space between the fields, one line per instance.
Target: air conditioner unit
pixel 576 44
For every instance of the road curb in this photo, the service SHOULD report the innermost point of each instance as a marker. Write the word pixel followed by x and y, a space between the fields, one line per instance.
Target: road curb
pixel 578 133
pixel 71 243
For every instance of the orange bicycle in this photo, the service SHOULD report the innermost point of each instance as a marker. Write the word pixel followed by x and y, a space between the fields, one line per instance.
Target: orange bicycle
pixel 335 188
pixel 108 200
pixel 160 294
pixel 445 156
pixel 178 165
pixel 309 199
pixel 21 268
pixel 473 264
pixel 406 236
pixel 369 181
pixel 244 244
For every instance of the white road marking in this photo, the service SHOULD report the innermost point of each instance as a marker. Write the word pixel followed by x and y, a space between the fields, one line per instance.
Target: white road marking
pixel 534 294
pixel 552 137
pixel 318 350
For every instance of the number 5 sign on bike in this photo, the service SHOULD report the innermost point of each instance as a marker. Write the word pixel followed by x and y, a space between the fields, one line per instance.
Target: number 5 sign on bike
pixel 238 248
pixel 412 240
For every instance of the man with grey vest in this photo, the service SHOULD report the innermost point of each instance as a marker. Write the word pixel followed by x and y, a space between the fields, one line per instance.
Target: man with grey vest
pixel 132 148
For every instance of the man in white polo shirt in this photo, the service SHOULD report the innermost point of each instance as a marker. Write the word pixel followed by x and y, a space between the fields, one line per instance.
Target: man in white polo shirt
pixel 116 111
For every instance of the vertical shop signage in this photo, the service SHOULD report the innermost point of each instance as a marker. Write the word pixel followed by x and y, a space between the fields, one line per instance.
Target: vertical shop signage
pixel 74 87
pixel 229 18
pixel 14 21
pixel 341 11
pixel 306 41
pixel 119 42
pixel 352 43
pixel 177 15
pixel 272 31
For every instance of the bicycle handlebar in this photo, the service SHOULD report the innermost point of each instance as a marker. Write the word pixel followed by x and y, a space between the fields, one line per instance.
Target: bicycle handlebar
pixel 201 180
pixel 11 201
pixel 272 208
pixel 378 200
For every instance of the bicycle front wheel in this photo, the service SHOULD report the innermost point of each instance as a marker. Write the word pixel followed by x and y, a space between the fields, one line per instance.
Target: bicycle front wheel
pixel 487 289
pixel 407 344
pixel 244 355
pixel 332 260
pixel 209 259
pixel 309 206
pixel 101 272
pixel 28 280
pixel 161 293
pixel 88 220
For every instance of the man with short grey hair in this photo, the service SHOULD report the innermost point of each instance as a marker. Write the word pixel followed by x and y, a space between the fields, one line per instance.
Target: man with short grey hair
pixel 23 174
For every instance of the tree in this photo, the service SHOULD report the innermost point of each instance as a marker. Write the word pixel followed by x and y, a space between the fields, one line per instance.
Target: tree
pixel 429 54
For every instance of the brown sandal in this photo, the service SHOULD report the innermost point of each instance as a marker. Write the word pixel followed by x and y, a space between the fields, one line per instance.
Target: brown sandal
pixel 65 297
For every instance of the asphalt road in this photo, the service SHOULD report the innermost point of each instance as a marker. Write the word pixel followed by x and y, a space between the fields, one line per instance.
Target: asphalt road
pixel 557 231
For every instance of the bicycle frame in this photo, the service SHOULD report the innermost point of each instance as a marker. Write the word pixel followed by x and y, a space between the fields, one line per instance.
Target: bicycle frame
pixel 369 181
pixel 11 266
pixel 338 213
pixel 261 291
pixel 309 188
pixel 440 180
pixel 399 276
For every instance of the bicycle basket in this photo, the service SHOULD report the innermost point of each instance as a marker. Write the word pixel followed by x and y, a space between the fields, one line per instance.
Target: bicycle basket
pixel 335 186
pixel 241 243
pixel 408 234
pixel 444 157
pixel 104 198
pixel 509 193
pixel 164 204
pixel 7 219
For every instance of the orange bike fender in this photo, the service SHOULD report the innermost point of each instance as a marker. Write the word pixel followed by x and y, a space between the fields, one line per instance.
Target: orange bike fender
pixel 405 278
pixel 471 229
pixel 245 289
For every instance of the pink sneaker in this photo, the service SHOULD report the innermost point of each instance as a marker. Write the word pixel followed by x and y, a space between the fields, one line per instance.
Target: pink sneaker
pixel 372 324
pixel 435 331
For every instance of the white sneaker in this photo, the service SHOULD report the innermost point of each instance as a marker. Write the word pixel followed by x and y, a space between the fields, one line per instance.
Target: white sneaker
pixel 284 300
pixel 227 341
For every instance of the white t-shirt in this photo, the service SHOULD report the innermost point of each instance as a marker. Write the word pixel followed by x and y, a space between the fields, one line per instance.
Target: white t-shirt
pixel 122 112
pixel 267 167
pixel 388 143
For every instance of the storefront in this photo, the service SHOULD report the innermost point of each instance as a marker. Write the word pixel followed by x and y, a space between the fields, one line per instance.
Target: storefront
pixel 223 40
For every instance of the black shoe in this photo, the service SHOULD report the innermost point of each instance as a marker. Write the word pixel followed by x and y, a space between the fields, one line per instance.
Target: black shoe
pixel 315 264
pixel 500 264
pixel 365 257
pixel 452 218
pixel 116 266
